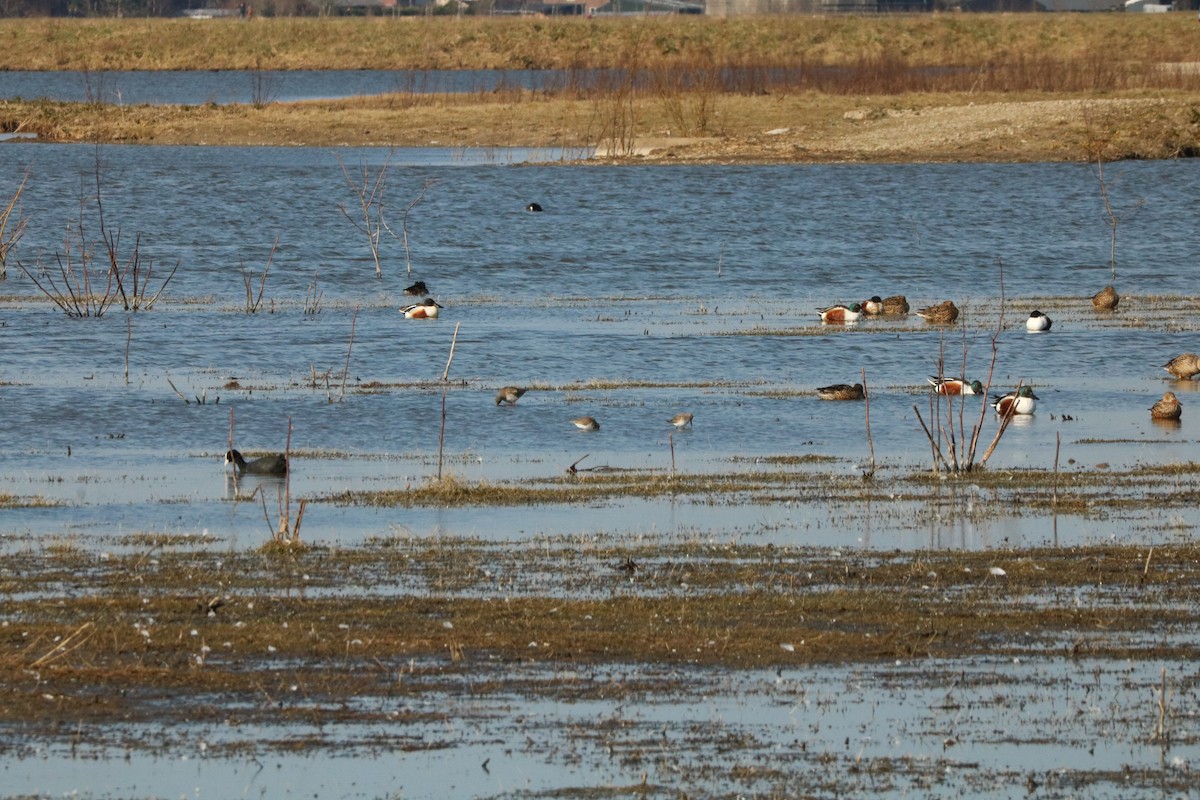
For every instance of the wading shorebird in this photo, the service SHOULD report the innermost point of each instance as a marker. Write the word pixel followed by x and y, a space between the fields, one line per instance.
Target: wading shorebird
pixel 509 394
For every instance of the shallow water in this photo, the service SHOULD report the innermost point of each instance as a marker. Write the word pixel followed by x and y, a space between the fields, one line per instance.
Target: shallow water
pixel 994 728
pixel 701 282
pixel 198 87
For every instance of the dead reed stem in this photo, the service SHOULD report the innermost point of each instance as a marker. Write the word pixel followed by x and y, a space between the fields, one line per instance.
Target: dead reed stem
pixel 349 347
pixel 445 389
pixel 867 405
pixel 1057 448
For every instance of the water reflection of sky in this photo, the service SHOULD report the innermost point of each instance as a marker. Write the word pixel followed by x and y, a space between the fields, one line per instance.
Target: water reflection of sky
pixel 200 87
pixel 982 728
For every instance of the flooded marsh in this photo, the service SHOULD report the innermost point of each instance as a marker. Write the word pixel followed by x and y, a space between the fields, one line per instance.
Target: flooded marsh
pixel 774 601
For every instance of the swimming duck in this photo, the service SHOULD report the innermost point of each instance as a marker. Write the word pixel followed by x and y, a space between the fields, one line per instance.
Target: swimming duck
pixel 267 465
pixel 955 386
pixel 509 394
pixel 1106 299
pixel 681 421
pixel 942 314
pixel 1184 366
pixel 872 306
pixel 533 207
pixel 586 424
pixel 841 391
pixel 896 304
pixel 838 314
pixel 1037 322
pixel 417 289
pixel 1022 401
pixel 1167 408
pixel 426 309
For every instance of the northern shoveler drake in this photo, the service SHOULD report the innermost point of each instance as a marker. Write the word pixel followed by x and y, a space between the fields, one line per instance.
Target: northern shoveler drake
pixel 836 315
pixel 681 421
pixel 1022 401
pixel 417 289
pixel 426 309
pixel 896 304
pixel 1184 366
pixel 1106 299
pixel 955 386
pixel 942 314
pixel 1037 322
pixel 509 394
pixel 1167 408
pixel 841 391
pixel 873 306
pixel 533 207
pixel 267 465
pixel 586 424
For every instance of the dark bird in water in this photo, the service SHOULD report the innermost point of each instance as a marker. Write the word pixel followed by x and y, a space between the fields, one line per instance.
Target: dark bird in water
pixel 417 289
pixel 533 207
pixel 267 465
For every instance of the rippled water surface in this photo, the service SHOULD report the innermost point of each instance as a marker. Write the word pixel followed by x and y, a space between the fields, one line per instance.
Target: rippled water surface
pixel 635 294
pixel 190 87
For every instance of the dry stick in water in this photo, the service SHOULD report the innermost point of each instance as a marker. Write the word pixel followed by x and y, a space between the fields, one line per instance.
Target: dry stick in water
pixel 671 440
pixel 867 404
pixel 128 339
pixel 349 347
pixel 445 388
pixel 232 464
pixel 1057 447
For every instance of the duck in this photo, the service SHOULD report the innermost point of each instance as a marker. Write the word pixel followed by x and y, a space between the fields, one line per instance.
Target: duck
pixel 681 421
pixel 841 391
pixel 509 394
pixel 942 314
pixel 1106 299
pixel 586 423
pixel 1022 401
pixel 1184 366
pixel 840 313
pixel 955 385
pixel 417 289
pixel 1167 408
pixel 872 306
pixel 895 305
pixel 275 464
pixel 1037 322
pixel 533 207
pixel 426 309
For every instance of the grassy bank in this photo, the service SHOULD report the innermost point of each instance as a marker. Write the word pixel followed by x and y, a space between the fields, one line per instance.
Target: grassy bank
pixel 1041 87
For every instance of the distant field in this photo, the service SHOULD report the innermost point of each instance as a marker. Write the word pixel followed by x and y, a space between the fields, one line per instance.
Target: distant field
pixel 949 87
pixel 1104 41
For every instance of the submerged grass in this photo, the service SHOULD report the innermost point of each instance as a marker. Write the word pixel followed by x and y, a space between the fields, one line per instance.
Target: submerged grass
pixel 110 639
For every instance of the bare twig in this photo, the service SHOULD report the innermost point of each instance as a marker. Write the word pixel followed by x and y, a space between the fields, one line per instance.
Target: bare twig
pixel 10 230
pixel 870 442
pixel 349 347
pixel 425 187
pixel 445 388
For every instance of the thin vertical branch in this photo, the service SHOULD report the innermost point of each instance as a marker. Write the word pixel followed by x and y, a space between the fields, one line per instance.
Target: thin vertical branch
pixel 128 341
pixel 445 389
pixel 870 441
pixel 346 372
